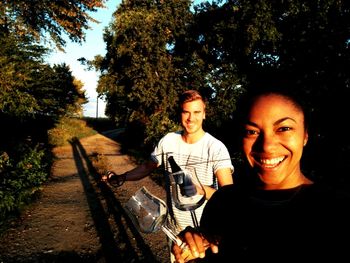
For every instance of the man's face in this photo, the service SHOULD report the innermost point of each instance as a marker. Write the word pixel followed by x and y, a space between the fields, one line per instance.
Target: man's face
pixel 192 116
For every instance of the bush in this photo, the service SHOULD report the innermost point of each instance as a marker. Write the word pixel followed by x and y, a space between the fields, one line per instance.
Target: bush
pixel 67 129
pixel 25 164
pixel 21 175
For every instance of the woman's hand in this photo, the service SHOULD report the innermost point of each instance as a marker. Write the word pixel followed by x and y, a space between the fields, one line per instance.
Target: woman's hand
pixel 196 245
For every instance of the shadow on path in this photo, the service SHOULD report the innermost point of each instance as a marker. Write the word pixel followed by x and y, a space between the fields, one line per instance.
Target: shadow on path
pixel 124 243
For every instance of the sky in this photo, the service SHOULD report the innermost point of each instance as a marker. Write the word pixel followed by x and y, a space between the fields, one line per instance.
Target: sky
pixel 94 45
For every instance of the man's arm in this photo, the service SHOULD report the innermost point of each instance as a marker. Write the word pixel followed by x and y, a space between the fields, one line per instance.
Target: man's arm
pixel 140 171
pixel 135 174
pixel 224 177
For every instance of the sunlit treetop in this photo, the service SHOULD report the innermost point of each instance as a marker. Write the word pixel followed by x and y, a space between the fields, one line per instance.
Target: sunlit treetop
pixel 48 20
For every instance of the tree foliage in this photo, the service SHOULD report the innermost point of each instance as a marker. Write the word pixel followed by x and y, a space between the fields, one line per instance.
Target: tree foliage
pixel 43 18
pixel 19 61
pixel 138 77
pixel 58 92
pixel 33 94
pixel 29 87
pixel 300 44
pixel 223 48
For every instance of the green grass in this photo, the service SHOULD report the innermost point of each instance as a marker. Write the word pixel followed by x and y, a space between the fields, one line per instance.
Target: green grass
pixel 67 129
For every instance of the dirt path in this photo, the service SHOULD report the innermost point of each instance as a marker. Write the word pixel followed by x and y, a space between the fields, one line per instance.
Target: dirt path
pixel 80 219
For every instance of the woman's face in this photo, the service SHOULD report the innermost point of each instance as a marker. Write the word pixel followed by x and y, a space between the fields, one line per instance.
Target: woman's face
pixel 273 141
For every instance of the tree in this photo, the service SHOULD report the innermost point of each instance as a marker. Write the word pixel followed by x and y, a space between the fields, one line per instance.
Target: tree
pixel 138 78
pixel 154 51
pixel 18 61
pixel 58 92
pixel 43 18
pixel 33 95
pixel 302 43
pixel 211 63
pixel 29 87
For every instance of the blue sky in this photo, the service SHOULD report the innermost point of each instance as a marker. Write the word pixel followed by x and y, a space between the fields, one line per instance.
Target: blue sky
pixel 94 45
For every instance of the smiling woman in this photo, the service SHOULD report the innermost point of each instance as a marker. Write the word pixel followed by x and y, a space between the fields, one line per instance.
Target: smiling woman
pixel 274 137
pixel 279 210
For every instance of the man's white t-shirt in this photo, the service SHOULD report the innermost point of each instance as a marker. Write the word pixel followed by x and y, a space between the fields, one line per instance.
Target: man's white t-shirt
pixel 207 156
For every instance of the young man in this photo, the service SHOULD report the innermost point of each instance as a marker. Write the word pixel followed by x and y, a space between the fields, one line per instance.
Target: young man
pixel 191 147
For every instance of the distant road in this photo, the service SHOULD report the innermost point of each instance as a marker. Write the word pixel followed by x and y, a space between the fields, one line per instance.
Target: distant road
pixel 113 134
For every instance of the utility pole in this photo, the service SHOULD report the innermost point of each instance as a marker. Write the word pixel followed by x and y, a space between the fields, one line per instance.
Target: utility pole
pixel 97 107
